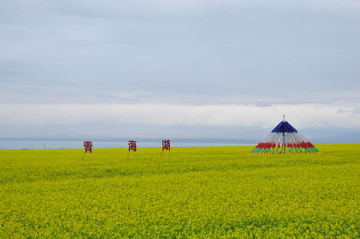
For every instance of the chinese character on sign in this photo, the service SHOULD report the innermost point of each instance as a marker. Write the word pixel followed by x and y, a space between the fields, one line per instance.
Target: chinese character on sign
pixel 132 145
pixel 166 144
pixel 88 146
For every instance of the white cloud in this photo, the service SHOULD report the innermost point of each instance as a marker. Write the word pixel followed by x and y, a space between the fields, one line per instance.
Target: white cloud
pixel 302 115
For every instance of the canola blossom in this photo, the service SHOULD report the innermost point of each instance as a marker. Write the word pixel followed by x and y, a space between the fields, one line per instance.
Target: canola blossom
pixel 198 192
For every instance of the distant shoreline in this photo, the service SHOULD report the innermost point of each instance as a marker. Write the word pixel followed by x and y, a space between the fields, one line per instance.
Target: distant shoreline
pixel 27 144
pixel 174 145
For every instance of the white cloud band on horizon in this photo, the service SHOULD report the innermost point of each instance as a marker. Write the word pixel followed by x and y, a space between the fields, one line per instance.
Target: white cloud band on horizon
pixel 300 115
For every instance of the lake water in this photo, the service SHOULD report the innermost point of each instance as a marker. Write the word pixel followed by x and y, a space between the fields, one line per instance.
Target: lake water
pixel 121 143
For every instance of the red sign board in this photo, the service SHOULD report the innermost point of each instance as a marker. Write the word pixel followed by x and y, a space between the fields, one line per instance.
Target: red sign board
pixel 166 144
pixel 88 146
pixel 132 145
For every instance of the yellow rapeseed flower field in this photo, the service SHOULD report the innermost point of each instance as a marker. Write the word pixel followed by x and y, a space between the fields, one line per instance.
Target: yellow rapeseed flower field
pixel 198 192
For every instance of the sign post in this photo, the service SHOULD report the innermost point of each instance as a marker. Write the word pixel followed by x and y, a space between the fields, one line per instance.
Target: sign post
pixel 88 148
pixel 165 146
pixel 132 147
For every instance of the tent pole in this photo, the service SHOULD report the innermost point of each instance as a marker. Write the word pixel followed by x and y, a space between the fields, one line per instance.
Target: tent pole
pixel 283 134
pixel 283 142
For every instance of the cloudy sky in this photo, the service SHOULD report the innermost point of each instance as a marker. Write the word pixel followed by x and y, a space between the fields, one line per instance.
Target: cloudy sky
pixel 169 68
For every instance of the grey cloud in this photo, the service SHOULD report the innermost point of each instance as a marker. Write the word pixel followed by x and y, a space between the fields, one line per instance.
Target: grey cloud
pixel 180 52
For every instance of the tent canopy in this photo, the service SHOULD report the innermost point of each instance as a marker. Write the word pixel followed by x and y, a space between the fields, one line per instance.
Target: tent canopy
pixel 284 138
pixel 284 127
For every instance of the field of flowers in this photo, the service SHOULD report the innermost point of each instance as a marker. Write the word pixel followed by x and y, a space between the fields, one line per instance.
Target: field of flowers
pixel 198 192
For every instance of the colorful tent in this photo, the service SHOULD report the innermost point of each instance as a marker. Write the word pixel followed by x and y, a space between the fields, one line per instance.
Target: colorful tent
pixel 284 138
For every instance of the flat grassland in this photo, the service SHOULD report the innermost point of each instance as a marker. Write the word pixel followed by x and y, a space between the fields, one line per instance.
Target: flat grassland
pixel 198 192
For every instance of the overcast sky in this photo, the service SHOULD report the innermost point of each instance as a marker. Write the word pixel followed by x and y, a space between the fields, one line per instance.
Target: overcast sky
pixel 169 68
